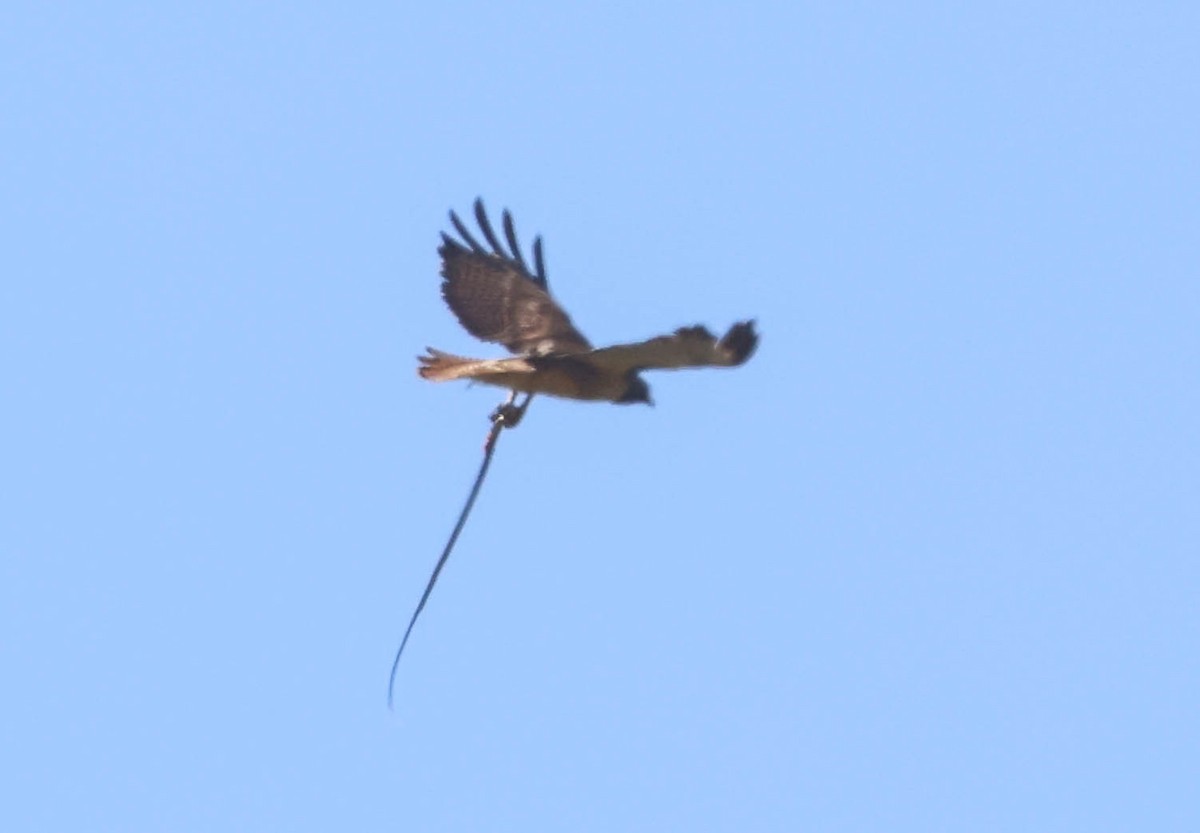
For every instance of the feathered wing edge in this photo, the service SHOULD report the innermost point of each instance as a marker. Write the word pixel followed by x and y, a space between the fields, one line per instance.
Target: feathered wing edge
pixel 686 347
pixel 512 255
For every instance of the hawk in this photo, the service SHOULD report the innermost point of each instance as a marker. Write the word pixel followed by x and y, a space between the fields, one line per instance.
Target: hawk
pixel 498 298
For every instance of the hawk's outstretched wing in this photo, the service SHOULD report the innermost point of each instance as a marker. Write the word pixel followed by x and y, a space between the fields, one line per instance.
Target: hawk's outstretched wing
pixel 686 347
pixel 497 298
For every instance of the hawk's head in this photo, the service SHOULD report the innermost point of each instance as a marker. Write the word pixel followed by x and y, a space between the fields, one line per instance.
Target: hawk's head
pixel 636 390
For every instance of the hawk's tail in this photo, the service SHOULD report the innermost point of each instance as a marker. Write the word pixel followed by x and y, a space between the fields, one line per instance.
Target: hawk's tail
pixel 442 367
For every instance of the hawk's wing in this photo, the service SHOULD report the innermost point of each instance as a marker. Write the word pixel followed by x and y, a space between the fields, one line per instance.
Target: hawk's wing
pixel 497 298
pixel 686 347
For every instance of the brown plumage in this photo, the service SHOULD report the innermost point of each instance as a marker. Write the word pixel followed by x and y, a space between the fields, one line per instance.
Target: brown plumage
pixel 496 297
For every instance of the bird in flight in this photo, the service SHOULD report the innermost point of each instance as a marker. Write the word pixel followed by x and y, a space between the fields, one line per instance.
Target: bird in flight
pixel 498 298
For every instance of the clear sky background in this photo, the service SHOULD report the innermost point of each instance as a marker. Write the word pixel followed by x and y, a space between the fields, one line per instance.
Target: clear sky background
pixel 930 561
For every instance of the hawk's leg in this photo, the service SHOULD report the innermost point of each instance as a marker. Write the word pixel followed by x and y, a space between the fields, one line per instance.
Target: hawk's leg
pixel 509 415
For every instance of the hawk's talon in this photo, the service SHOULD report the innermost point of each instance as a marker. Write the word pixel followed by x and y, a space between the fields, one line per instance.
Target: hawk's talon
pixel 509 415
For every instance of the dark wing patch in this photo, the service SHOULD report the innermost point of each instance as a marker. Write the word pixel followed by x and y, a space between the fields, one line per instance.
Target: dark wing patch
pixel 495 296
pixel 739 343
pixel 686 347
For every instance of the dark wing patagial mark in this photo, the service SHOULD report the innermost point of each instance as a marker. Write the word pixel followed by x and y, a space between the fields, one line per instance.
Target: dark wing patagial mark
pixel 496 298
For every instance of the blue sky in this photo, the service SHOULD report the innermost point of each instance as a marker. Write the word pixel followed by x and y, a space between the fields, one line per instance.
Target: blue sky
pixel 927 562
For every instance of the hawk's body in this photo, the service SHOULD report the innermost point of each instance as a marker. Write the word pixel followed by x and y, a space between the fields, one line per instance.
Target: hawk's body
pixel 497 298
